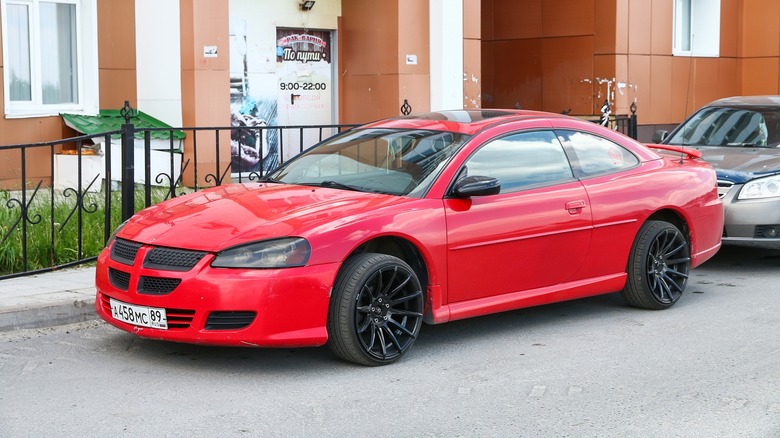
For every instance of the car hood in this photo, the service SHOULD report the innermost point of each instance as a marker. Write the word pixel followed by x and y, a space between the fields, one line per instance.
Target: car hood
pixel 225 216
pixel 740 165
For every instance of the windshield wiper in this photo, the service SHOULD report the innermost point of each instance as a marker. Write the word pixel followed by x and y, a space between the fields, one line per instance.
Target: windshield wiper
pixel 338 185
pixel 746 145
pixel 342 186
pixel 269 179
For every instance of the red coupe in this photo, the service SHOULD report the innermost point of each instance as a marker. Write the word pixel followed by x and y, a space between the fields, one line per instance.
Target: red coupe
pixel 427 218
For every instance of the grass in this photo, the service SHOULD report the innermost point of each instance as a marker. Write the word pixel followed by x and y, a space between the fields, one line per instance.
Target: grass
pixel 53 238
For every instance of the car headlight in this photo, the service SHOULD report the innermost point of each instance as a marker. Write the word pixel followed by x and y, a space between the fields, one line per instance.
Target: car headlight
pixel 287 252
pixel 768 187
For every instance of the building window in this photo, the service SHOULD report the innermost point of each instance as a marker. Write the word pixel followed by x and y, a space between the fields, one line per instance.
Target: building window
pixel 50 56
pixel 696 28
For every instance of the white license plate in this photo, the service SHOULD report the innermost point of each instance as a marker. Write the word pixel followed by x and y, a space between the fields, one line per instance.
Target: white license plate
pixel 139 315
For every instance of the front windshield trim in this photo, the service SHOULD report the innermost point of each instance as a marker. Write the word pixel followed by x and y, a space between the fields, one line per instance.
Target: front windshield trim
pixel 400 162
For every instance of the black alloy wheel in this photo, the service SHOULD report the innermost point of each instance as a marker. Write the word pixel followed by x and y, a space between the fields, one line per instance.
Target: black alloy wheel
pixel 376 310
pixel 658 266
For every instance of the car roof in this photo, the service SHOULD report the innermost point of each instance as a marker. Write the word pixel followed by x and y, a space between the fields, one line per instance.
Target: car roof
pixel 462 121
pixel 762 101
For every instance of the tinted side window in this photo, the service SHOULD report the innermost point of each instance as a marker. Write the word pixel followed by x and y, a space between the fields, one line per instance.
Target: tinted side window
pixel 522 160
pixel 596 155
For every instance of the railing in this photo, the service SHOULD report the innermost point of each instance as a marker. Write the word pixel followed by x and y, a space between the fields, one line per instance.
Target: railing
pixel 47 223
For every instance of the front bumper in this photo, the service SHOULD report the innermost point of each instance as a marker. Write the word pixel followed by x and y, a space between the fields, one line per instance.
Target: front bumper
pixel 280 307
pixel 749 222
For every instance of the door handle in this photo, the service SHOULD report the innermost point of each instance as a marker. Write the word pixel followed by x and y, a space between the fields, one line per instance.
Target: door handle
pixel 575 207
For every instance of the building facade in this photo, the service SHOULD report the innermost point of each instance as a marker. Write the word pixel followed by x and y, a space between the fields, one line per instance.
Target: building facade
pixel 279 62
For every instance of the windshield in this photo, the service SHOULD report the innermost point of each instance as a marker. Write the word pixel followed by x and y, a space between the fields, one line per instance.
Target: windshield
pixel 391 161
pixel 719 126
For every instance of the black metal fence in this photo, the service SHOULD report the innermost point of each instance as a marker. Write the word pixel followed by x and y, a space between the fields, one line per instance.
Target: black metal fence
pixel 47 224
pixel 63 206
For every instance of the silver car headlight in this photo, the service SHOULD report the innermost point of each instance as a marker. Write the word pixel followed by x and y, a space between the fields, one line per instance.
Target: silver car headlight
pixel 767 187
pixel 288 252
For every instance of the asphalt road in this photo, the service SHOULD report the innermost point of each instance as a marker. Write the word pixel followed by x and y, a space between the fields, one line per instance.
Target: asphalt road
pixel 707 367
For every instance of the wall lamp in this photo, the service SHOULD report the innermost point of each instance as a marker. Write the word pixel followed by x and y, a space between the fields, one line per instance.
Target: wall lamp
pixel 307 5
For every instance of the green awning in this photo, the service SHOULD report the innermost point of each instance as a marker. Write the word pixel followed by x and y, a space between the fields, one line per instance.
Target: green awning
pixel 112 120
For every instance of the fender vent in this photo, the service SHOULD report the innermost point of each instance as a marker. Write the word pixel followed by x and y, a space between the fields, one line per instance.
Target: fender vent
pixel 229 320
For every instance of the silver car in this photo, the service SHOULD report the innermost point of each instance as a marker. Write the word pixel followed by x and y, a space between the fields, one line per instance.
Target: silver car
pixel 740 138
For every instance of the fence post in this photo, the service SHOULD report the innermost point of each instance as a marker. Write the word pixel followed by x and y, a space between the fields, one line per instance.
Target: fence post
pixel 128 162
pixel 632 123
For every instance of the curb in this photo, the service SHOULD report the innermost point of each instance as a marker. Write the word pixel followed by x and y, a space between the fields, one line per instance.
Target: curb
pixel 48 315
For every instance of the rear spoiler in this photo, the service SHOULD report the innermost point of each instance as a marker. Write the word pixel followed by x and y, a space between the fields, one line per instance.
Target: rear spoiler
pixel 691 153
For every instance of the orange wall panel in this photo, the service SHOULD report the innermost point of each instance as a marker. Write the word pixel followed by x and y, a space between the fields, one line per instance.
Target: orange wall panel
pixel 471 22
pixel 486 20
pixel 566 62
pixel 369 37
pixel 761 33
pixel 605 23
pixel 116 87
pixel 371 97
pixel 205 82
pixel 621 26
pixel 728 77
pixel 413 37
pixel 562 18
pixel 639 27
pixel 661 27
pixel 682 88
pixel 472 73
pixel 658 109
pixel 705 76
pixel 730 27
pixel 514 19
pixel 516 67
pixel 487 86
pixel 415 89
pixel 116 34
pixel 604 67
pixel 759 76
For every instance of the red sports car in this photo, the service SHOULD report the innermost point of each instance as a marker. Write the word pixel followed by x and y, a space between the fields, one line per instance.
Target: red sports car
pixel 427 218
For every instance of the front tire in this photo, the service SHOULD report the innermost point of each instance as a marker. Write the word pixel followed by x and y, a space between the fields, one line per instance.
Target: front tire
pixel 658 266
pixel 376 310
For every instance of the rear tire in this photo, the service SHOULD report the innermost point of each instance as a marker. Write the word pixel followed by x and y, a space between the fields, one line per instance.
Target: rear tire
pixel 376 310
pixel 658 266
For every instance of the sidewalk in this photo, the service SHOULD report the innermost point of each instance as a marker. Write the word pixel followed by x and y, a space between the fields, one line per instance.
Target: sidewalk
pixel 48 299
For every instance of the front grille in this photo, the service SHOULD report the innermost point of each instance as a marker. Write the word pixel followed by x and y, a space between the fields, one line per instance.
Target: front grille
pixel 724 187
pixel 178 319
pixel 124 251
pixel 170 259
pixel 157 285
pixel 119 279
pixel 229 320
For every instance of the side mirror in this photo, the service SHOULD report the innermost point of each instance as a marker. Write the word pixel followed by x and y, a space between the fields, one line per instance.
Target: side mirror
pixel 660 136
pixel 477 186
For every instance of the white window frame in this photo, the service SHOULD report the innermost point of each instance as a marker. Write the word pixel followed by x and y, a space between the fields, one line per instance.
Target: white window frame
pixel 703 33
pixel 87 62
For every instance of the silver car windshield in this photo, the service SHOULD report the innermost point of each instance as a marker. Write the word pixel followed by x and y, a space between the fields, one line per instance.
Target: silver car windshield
pixel 391 161
pixel 737 127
